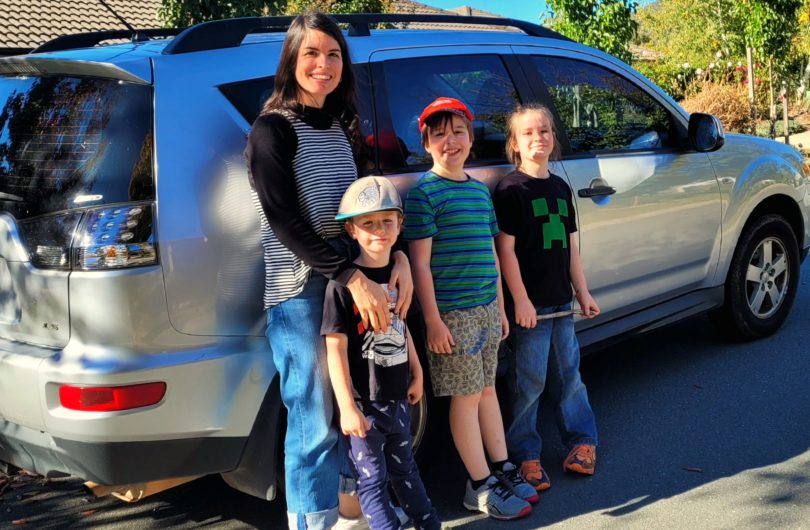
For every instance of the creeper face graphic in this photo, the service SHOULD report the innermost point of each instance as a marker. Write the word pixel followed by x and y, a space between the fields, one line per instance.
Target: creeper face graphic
pixel 554 228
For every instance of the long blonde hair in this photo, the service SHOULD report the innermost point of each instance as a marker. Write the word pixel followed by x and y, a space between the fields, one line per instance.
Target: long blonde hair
pixel 513 154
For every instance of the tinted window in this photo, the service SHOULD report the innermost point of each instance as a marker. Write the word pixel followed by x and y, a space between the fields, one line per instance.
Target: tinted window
pixel 248 98
pixel 67 142
pixel 602 111
pixel 480 81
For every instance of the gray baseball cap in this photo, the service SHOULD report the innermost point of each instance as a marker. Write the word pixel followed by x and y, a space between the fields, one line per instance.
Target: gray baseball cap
pixel 369 195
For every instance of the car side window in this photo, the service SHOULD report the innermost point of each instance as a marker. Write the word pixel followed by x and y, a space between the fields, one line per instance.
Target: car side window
pixel 480 81
pixel 602 111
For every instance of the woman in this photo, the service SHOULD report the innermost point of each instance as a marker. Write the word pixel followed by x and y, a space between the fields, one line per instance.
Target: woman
pixel 300 162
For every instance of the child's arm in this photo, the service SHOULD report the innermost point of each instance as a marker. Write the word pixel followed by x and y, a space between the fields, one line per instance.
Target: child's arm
pixel 438 336
pixel 586 301
pixel 415 389
pixel 525 313
pixel 501 308
pixel 352 421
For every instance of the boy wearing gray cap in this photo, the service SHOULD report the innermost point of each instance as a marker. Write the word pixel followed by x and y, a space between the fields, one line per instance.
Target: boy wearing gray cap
pixel 370 371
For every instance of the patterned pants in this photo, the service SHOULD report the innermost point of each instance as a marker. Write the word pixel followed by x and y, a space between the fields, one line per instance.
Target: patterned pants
pixel 385 454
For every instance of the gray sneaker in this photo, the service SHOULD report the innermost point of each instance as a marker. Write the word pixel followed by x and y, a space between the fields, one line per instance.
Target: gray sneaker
pixel 495 500
pixel 511 477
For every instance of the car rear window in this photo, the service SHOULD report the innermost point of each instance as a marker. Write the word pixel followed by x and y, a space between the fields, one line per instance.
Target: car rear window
pixel 68 142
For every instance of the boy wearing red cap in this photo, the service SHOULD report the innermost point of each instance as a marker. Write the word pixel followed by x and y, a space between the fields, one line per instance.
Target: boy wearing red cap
pixel 450 224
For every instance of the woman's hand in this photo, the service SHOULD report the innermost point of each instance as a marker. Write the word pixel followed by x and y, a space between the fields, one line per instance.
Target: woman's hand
pixel 371 301
pixel 525 313
pixel 439 338
pixel 403 281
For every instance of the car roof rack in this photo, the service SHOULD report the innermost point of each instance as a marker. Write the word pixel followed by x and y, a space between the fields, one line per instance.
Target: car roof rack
pixel 92 38
pixel 230 33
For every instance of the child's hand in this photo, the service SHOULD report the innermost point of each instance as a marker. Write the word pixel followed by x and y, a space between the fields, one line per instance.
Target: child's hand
pixel 415 389
pixel 439 338
pixel 504 325
pixel 587 304
pixel 525 313
pixel 353 422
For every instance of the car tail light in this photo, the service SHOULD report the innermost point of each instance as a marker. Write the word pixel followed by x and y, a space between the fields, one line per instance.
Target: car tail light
pixel 116 237
pixel 48 239
pixel 110 237
pixel 111 398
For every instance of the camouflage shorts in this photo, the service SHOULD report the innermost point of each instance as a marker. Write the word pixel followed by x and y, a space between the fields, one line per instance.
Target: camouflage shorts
pixel 474 361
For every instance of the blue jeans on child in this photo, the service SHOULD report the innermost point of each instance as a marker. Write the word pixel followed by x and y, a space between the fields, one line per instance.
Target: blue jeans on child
pixel 311 457
pixel 386 454
pixel 548 353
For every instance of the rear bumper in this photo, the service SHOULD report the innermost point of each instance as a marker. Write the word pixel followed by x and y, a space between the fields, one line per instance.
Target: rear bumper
pixel 214 394
pixel 117 462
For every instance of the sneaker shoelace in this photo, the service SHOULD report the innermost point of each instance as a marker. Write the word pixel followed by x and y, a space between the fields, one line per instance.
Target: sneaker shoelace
pixel 501 491
pixel 584 453
pixel 513 476
pixel 531 468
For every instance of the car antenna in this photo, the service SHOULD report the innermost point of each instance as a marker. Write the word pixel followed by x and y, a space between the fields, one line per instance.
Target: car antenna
pixel 136 35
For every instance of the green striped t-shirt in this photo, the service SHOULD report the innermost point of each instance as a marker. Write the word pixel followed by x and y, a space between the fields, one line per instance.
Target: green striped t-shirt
pixel 459 216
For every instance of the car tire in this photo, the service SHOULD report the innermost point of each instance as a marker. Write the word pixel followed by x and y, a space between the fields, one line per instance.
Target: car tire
pixel 762 280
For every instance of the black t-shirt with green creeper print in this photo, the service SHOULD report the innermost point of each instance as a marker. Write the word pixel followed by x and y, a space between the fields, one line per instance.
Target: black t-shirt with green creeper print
pixel 539 213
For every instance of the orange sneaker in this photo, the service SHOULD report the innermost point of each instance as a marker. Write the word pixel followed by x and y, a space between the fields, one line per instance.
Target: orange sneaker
pixel 535 475
pixel 581 459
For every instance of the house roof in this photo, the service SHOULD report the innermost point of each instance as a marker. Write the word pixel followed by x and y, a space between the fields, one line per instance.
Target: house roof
pixel 25 24
pixel 411 7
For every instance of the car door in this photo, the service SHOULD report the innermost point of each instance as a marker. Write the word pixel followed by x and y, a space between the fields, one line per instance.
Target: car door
pixel 649 209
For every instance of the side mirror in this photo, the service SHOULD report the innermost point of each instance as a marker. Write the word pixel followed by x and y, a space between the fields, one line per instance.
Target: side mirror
pixel 705 132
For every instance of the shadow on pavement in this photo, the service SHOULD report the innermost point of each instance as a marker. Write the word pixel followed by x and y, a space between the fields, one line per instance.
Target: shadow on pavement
pixel 677 409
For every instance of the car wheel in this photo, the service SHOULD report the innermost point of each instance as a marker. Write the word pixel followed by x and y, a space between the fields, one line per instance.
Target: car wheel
pixel 762 280
pixel 419 419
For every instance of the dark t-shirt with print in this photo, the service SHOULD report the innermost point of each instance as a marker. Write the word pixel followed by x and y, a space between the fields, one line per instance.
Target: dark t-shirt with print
pixel 378 362
pixel 539 213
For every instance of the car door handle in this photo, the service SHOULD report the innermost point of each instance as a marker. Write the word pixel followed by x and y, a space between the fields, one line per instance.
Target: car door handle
pixel 596 191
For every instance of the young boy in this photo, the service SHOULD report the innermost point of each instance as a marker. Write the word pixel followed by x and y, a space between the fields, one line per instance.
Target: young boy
pixel 450 224
pixel 370 371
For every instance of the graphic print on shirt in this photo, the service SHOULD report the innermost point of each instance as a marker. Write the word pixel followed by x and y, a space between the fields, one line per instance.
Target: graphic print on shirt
pixel 385 348
pixel 553 229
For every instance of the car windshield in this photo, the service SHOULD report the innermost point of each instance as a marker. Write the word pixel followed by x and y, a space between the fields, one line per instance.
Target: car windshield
pixel 68 142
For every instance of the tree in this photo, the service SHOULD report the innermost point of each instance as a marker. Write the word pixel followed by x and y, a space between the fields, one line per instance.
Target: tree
pixel 604 24
pixel 181 13
pixel 769 25
pixel 338 6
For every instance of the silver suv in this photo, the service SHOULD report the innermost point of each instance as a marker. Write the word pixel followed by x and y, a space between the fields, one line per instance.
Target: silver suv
pixel 131 324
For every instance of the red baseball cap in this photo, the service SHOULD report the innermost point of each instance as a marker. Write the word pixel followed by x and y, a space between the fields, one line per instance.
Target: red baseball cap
pixel 445 105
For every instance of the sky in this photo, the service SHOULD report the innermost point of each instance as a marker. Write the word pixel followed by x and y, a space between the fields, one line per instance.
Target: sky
pixel 521 9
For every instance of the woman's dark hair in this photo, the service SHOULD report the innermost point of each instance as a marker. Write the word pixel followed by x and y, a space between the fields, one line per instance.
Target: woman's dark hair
pixel 341 102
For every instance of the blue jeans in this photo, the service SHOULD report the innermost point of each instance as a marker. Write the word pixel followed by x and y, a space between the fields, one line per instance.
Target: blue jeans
pixel 548 353
pixel 311 459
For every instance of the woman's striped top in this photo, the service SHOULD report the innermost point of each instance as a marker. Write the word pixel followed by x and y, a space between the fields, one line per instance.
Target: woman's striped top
pixel 300 165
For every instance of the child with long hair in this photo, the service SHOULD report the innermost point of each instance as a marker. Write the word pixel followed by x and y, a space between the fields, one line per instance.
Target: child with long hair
pixel 540 262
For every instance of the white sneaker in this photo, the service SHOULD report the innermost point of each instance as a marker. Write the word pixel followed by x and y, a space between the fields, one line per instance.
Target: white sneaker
pixel 345 523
